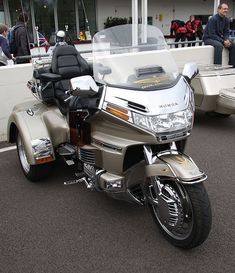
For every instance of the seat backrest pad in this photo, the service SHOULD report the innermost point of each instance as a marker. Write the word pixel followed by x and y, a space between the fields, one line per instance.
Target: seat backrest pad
pixel 67 62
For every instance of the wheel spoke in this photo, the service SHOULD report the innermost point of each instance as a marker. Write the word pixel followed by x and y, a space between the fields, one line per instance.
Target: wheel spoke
pixel 168 208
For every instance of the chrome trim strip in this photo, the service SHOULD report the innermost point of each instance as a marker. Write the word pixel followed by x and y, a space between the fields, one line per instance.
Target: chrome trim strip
pixel 190 182
pixel 173 137
pixel 105 145
pixel 100 106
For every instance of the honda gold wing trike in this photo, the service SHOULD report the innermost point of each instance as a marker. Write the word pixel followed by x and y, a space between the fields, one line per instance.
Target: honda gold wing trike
pixel 121 120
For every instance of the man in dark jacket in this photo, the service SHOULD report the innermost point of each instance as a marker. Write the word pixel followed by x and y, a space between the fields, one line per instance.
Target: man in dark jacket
pixel 21 39
pixel 217 34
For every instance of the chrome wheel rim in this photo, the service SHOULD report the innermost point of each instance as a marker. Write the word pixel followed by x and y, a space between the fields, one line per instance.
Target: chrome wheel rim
pixel 172 209
pixel 22 155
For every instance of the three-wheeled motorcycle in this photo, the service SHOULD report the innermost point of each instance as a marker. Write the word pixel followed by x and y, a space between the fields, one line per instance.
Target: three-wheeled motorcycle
pixel 122 124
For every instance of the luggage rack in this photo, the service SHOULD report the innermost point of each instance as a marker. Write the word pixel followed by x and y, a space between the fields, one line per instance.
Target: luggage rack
pixel 42 62
pixel 215 70
pixel 206 67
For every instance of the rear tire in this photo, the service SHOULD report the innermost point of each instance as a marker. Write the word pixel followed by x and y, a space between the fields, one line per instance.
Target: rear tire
pixel 34 173
pixel 184 216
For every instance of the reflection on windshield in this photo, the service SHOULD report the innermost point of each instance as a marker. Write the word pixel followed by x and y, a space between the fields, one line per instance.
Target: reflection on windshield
pixel 145 65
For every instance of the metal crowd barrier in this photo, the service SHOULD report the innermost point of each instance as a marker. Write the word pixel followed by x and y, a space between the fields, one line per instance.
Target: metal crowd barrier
pixel 194 42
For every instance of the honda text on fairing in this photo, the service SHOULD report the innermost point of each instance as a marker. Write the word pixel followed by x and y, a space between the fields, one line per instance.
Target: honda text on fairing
pixel 123 125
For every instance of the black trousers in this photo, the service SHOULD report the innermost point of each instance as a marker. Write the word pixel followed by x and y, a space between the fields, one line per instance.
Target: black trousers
pixel 180 37
pixel 199 35
pixel 192 38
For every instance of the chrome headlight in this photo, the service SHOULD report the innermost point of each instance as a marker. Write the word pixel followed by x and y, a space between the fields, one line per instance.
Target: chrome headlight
pixel 182 120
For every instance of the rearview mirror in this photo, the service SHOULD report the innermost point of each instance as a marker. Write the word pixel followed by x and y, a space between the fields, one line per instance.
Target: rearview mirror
pixel 190 71
pixel 104 70
pixel 83 86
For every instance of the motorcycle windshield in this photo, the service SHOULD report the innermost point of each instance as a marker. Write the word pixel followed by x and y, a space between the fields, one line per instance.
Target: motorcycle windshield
pixel 136 57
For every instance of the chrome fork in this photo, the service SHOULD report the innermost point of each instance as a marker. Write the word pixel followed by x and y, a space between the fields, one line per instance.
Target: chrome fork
pixel 155 181
pixel 151 159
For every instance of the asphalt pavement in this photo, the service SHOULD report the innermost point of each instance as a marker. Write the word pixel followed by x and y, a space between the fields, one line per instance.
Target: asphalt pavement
pixel 51 228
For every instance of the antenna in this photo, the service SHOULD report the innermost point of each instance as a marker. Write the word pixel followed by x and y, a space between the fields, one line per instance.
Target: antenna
pixel 38 43
pixel 88 33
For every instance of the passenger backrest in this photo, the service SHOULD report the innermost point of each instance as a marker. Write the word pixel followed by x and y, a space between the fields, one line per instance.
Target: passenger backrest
pixel 67 62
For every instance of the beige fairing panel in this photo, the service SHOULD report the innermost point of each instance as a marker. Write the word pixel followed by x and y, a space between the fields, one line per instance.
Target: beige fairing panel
pixel 113 137
pixel 208 92
pixel 37 121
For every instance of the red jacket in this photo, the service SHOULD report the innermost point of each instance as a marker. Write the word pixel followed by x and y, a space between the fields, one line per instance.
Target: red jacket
pixel 191 28
pixel 178 27
pixel 198 26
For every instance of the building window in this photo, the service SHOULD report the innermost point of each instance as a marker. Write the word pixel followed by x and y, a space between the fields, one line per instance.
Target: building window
pixel 2 17
pixel 44 18
pixel 87 8
pixel 15 8
pixel 67 17
pixel 52 15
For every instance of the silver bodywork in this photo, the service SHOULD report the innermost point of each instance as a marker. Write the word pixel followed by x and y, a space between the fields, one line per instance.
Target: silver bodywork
pixel 42 128
pixel 163 96
pixel 214 89
pixel 157 102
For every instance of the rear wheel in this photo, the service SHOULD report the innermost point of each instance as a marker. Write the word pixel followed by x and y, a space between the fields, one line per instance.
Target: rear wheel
pixel 34 173
pixel 182 212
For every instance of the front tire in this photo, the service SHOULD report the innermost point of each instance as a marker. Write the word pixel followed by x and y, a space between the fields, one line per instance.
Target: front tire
pixel 34 173
pixel 182 213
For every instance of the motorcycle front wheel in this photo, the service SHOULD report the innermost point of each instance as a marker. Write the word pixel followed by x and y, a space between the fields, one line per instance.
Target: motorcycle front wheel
pixel 182 212
pixel 34 173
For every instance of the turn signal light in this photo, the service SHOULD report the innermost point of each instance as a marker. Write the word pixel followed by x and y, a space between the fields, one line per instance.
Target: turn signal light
pixel 44 160
pixel 117 111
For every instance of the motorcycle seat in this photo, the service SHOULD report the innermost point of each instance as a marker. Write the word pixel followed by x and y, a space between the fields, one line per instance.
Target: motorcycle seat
pixel 68 63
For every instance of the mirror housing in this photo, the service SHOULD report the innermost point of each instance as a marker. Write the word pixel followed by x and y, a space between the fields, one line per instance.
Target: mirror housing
pixel 190 71
pixel 103 70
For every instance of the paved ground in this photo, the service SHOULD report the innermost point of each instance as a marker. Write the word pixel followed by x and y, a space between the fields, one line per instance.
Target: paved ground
pixel 49 227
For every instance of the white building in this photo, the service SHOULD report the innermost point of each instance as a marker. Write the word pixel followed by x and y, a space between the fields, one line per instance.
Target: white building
pixel 51 15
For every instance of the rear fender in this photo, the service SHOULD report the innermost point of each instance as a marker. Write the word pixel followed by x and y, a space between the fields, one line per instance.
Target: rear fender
pixel 41 128
pixel 177 166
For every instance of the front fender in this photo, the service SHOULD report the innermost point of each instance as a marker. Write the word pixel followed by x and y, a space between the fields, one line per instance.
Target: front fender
pixel 177 166
pixel 38 125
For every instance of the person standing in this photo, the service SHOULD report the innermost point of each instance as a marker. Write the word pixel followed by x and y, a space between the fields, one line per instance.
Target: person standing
pixel 191 31
pixel 179 29
pixel 216 33
pixel 198 29
pixel 60 41
pixel 21 39
pixel 5 54
pixel 60 38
